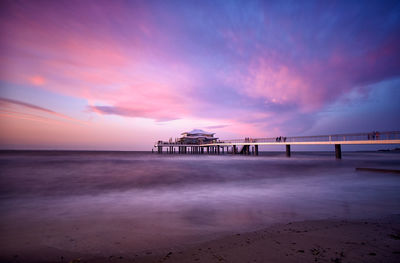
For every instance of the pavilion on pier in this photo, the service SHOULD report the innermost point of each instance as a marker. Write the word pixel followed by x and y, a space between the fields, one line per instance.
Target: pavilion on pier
pixel 197 136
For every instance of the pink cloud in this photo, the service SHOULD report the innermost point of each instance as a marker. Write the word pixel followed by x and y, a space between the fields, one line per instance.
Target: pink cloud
pixel 278 84
pixel 37 80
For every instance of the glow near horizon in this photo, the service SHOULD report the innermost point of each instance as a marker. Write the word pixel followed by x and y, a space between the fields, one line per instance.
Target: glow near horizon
pixel 121 75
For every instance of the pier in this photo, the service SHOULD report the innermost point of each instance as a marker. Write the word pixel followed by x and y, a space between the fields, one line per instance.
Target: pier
pixel 250 146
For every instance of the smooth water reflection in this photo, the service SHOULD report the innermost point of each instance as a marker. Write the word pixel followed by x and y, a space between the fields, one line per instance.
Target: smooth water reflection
pixel 102 202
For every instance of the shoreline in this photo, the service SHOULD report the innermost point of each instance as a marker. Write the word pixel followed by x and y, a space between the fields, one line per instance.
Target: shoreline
pixel 330 240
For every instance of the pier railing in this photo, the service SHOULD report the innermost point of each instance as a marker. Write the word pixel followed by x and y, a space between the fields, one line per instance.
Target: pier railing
pixel 378 136
pixel 394 135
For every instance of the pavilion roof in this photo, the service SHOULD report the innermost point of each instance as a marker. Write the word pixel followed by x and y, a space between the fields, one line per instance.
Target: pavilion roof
pixel 198 132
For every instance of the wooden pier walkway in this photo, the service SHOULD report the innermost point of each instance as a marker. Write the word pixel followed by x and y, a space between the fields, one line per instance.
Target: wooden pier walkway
pixel 249 146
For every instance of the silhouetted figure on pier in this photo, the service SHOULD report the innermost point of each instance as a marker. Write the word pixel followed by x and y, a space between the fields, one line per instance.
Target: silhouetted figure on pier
pixel 375 135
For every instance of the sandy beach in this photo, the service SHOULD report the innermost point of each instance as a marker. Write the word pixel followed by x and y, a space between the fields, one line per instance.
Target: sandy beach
pixel 306 241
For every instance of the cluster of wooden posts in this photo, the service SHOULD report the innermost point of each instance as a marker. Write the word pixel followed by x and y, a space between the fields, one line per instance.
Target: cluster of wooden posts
pixel 225 149
pixel 217 149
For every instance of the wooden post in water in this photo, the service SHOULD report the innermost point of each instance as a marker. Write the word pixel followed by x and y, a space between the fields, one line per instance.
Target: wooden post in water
pixel 287 150
pixel 256 149
pixel 338 151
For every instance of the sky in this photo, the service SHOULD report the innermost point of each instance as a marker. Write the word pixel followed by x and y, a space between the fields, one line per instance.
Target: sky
pixel 120 75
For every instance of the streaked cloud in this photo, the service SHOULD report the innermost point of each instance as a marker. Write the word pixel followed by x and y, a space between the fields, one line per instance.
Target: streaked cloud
pixel 217 126
pixel 5 104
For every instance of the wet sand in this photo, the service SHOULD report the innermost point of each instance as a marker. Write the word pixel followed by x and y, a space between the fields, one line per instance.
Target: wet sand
pixel 306 241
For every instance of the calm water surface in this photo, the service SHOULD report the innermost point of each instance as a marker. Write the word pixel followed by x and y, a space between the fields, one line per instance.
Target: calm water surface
pixel 102 202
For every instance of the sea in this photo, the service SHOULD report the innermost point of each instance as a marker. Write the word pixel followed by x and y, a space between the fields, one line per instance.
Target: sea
pixel 117 202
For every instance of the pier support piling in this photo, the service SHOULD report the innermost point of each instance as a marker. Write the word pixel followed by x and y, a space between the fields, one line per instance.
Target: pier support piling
pixel 288 150
pixel 256 149
pixel 338 151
